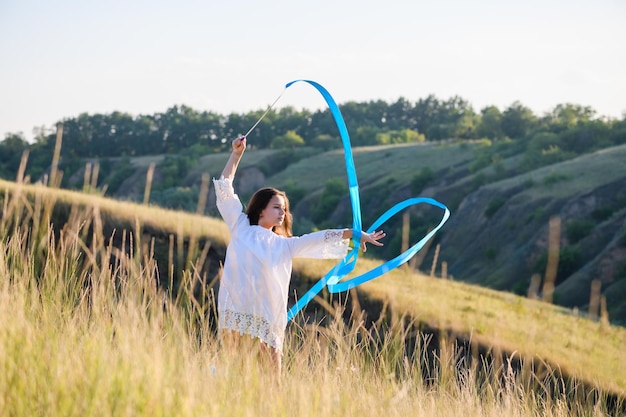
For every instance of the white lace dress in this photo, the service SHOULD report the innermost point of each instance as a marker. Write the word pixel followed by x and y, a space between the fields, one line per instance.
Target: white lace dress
pixel 255 282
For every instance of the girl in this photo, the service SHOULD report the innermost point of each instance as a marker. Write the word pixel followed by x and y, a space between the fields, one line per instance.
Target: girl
pixel 253 291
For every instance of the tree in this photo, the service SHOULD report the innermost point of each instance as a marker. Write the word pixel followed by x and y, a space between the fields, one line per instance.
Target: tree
pixel 424 114
pixel 568 115
pixel 11 150
pixel 13 144
pixel 545 148
pixel 465 126
pixel 355 114
pixel 459 116
pixel 618 132
pixel 518 121
pixel 364 136
pixel 399 115
pixel 454 118
pixel 490 124
pixel 439 131
pixel 289 140
pixel 585 136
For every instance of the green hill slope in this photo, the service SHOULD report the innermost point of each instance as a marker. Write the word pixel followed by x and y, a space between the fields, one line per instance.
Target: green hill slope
pixel 498 236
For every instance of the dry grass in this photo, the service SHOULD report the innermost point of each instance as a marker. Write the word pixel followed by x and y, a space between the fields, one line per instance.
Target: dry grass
pixel 531 329
pixel 32 196
pixel 86 331
pixel 535 330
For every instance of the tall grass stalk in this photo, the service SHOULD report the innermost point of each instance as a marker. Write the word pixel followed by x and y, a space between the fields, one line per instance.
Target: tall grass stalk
pixel 86 331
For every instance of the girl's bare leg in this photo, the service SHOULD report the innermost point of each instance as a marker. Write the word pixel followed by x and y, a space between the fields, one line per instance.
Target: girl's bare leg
pixel 236 344
pixel 230 340
pixel 274 357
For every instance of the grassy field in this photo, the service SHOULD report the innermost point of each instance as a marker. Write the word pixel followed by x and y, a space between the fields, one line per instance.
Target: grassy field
pixel 86 331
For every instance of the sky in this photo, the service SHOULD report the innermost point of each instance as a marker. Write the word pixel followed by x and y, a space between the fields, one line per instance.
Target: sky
pixel 61 58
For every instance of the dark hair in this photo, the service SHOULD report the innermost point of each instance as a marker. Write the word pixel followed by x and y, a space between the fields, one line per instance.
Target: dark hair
pixel 260 200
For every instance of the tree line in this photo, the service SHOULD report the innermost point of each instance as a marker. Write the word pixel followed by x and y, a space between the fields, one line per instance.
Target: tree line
pixel 571 129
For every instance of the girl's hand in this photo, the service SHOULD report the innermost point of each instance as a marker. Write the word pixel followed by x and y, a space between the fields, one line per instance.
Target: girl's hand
pixel 239 145
pixel 372 238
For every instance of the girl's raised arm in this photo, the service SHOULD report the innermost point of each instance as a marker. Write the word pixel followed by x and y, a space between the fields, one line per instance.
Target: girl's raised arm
pixel 239 146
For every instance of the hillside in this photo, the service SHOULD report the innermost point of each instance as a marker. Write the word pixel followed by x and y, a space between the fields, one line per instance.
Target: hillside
pixel 498 231
pixel 504 243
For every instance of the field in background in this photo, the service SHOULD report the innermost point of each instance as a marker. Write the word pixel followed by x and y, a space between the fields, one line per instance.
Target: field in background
pixel 87 331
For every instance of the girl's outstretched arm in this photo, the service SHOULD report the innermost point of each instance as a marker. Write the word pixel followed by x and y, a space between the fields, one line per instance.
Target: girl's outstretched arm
pixel 239 146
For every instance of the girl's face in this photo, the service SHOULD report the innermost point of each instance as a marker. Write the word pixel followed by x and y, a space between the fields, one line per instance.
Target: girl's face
pixel 274 213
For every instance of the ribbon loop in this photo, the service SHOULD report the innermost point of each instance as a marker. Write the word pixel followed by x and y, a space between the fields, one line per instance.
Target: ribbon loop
pixel 333 279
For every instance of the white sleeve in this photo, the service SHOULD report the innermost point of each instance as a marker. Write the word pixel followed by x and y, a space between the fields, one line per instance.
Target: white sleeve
pixel 325 244
pixel 228 202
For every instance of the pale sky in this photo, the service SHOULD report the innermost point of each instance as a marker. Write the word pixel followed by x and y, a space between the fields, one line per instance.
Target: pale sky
pixel 61 58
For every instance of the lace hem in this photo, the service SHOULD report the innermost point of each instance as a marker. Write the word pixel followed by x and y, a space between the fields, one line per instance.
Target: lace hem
pixel 224 189
pixel 252 325
pixel 332 236
pixel 336 246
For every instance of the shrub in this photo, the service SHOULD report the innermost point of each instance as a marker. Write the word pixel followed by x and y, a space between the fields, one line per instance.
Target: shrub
pixel 334 190
pixel 399 136
pixel 196 150
pixel 294 192
pixel 620 272
pixel 421 180
pixel 538 214
pixel 289 140
pixel 176 198
pixel 529 183
pixel 325 142
pixel 173 169
pixel 521 287
pixel 576 230
pixel 570 261
pixel 602 213
pixel 494 205
pixel 553 178
pixel 69 166
pixel 279 160
pixel 479 180
pixel 121 172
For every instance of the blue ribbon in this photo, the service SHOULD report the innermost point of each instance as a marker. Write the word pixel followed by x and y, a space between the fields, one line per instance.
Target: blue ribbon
pixel 333 279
